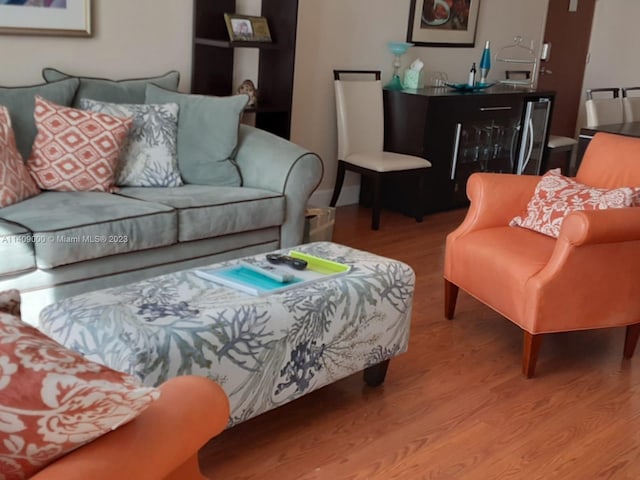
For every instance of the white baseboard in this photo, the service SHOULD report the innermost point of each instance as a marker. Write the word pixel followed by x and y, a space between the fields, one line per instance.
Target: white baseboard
pixel 348 196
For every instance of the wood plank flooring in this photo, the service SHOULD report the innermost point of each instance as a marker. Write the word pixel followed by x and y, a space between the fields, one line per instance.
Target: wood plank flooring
pixel 455 406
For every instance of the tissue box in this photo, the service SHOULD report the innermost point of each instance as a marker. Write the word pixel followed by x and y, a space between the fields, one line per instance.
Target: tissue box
pixel 413 79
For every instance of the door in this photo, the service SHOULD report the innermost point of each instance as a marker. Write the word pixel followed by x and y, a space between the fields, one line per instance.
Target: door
pixel 568 30
pixel 468 134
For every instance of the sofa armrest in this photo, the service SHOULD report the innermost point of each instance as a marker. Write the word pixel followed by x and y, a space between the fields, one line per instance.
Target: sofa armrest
pixel 162 443
pixel 272 163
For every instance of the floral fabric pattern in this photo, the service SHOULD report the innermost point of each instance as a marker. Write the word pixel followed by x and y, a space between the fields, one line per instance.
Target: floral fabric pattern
pixel 556 196
pixel 150 157
pixel 74 150
pixel 264 351
pixel 15 182
pixel 52 400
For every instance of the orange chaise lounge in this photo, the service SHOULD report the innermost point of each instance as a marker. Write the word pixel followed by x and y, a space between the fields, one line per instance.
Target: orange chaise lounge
pixel 588 277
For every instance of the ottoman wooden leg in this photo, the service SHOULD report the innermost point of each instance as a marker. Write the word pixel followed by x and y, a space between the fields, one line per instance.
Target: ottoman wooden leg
pixel 375 374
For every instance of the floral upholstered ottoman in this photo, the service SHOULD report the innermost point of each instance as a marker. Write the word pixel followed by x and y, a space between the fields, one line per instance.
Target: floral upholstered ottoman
pixel 264 351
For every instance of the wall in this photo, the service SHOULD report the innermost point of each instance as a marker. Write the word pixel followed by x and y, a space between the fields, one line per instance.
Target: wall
pixel 131 42
pixel 131 39
pixel 339 34
pixel 612 50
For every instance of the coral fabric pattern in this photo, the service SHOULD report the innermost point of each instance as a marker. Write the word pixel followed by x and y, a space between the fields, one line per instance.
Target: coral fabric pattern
pixel 15 182
pixel 556 196
pixel 76 150
pixel 52 400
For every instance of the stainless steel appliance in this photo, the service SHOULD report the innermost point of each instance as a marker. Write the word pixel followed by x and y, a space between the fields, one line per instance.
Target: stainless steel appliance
pixel 533 136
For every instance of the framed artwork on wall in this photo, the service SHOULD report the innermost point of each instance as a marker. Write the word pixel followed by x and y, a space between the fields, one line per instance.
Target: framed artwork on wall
pixel 46 17
pixel 443 23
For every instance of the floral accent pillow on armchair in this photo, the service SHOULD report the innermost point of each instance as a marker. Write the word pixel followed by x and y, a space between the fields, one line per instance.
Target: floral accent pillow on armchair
pixel 556 196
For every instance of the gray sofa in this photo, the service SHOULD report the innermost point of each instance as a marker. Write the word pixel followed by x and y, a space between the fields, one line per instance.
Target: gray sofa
pixel 58 244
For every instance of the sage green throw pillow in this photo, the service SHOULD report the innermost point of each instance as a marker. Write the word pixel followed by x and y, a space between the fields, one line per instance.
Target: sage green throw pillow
pixel 207 135
pixel 21 103
pixel 114 91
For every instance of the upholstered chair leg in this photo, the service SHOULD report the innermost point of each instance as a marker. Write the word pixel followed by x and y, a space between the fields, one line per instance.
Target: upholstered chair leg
pixel 339 181
pixel 377 200
pixel 420 199
pixel 531 347
pixel 450 298
pixel 631 340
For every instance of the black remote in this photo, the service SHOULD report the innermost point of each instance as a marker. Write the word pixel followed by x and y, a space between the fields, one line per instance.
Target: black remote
pixel 279 259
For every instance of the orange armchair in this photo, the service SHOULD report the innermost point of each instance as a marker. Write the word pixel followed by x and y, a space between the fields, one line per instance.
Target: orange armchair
pixel 161 444
pixel 587 278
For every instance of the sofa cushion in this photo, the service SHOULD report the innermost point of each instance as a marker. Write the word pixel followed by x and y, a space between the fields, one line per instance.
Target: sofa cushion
pixel 149 159
pixel 15 182
pixel 115 91
pixel 86 225
pixel 21 102
pixel 16 248
pixel 205 211
pixel 207 135
pixel 76 150
pixel 53 400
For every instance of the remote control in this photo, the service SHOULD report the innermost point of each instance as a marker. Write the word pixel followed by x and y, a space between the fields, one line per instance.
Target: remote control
pixel 278 259
pixel 278 274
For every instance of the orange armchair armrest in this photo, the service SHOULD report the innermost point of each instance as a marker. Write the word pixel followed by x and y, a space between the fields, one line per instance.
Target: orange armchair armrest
pixel 162 443
pixel 495 199
pixel 601 226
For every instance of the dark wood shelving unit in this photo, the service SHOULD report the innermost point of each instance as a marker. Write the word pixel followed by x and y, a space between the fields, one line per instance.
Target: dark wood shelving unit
pixel 213 54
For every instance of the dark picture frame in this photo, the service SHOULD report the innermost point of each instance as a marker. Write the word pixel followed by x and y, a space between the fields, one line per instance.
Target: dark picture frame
pixel 246 28
pixel 443 23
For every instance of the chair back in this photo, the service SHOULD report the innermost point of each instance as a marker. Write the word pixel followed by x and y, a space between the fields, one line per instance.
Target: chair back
pixel 360 116
pixel 611 161
pixel 631 105
pixel 604 111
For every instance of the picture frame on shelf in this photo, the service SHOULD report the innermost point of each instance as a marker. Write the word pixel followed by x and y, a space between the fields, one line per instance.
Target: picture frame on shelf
pixel 46 17
pixel 247 28
pixel 443 23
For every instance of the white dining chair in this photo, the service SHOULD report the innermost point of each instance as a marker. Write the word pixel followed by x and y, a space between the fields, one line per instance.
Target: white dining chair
pixel 360 121
pixel 604 111
pixel 631 104
pixel 560 144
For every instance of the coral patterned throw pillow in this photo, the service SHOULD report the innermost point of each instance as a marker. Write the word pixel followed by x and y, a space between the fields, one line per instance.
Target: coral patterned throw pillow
pixel 15 182
pixel 53 400
pixel 76 150
pixel 556 196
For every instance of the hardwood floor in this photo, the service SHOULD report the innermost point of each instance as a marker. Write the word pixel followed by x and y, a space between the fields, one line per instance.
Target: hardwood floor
pixel 455 406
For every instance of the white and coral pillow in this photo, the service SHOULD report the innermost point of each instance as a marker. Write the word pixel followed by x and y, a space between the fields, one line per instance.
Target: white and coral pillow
pixel 15 182
pixel 556 196
pixel 53 400
pixel 150 158
pixel 76 150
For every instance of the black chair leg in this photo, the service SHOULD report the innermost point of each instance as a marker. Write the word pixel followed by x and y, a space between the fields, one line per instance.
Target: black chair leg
pixel 419 210
pixel 339 181
pixel 375 213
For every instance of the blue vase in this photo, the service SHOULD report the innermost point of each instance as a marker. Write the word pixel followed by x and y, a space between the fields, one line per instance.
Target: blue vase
pixel 485 62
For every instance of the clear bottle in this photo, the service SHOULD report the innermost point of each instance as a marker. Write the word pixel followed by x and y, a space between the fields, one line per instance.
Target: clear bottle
pixel 472 75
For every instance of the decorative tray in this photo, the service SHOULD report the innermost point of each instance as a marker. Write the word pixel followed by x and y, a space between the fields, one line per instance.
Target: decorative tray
pixel 465 87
